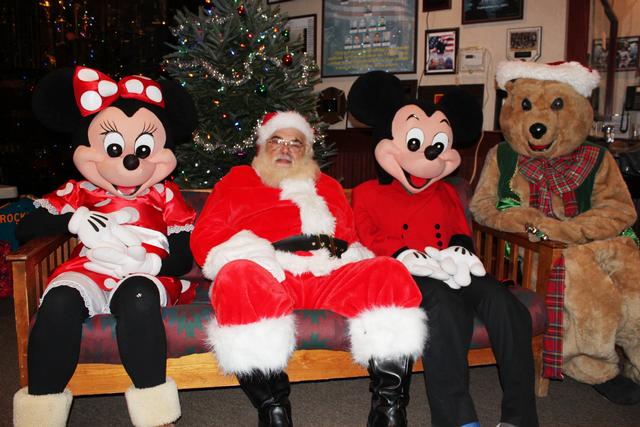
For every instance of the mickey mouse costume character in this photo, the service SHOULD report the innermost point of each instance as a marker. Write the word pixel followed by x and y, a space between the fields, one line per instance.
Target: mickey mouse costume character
pixel 412 214
pixel 133 227
pixel 278 236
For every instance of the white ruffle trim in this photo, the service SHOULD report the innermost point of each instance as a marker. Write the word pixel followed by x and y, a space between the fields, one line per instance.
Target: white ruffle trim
pixel 44 203
pixel 173 229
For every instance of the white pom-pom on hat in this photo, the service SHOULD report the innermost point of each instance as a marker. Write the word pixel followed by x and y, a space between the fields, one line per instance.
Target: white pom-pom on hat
pixel 281 120
pixel 576 75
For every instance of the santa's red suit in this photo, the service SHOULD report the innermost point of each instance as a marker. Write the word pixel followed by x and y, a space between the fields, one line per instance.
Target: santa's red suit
pixel 390 219
pixel 161 212
pixel 256 288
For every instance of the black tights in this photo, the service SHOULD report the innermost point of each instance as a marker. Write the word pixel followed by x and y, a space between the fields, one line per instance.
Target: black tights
pixel 54 342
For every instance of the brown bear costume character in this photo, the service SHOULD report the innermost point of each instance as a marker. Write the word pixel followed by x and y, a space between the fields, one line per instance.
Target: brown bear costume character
pixel 547 177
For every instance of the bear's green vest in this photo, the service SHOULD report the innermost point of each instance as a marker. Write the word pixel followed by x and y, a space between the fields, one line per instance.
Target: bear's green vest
pixel 507 161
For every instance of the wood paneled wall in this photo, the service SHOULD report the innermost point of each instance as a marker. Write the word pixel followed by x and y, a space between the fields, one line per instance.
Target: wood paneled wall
pixel 355 163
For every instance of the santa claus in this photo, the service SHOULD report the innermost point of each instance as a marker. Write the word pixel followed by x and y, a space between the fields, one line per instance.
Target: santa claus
pixel 278 236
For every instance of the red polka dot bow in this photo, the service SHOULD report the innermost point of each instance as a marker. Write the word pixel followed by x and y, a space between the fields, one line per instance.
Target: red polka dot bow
pixel 95 91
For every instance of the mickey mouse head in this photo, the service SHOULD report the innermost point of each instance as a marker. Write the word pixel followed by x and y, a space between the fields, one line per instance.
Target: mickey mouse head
pixel 416 139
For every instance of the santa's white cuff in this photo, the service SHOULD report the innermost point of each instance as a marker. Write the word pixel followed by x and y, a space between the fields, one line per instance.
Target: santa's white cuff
pixel 242 245
pixel 263 346
pixel 387 333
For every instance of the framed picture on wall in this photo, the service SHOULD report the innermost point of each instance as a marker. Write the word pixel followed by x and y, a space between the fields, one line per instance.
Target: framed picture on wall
pixel 627 53
pixel 599 54
pixel 360 36
pixel 303 28
pixel 276 1
pixel 433 5
pixel 524 43
pixel 441 51
pixel 478 11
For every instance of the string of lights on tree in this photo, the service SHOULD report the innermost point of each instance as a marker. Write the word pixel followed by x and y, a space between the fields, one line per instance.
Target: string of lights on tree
pixel 238 62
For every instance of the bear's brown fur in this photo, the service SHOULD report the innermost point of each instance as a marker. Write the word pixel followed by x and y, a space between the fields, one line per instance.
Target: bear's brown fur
pixel 602 278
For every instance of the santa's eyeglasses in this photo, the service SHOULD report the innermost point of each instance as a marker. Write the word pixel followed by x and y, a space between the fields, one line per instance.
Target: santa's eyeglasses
pixel 293 144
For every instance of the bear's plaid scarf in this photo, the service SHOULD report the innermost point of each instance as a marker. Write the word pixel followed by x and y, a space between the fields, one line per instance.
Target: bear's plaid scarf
pixel 561 175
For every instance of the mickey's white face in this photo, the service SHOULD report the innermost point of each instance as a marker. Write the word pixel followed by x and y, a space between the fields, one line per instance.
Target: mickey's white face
pixel 420 152
pixel 126 155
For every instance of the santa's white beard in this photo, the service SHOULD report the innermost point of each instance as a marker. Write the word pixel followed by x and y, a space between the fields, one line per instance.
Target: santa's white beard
pixel 272 174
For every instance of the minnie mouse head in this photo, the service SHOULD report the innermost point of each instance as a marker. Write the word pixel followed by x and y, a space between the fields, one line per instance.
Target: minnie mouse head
pixel 416 139
pixel 123 132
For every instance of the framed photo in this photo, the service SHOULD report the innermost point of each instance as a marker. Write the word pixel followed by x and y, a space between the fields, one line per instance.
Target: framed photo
pixel 276 1
pixel 433 5
pixel 627 53
pixel 599 54
pixel 524 43
pixel 478 11
pixel 360 36
pixel 303 27
pixel 441 51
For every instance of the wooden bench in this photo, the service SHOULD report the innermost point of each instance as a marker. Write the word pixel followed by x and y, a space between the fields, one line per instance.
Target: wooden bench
pixel 33 262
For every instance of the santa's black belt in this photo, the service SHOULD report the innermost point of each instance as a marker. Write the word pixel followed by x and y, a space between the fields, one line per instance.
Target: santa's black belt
pixel 310 242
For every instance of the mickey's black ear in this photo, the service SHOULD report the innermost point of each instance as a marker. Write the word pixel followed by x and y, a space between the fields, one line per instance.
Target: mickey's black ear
pixel 54 103
pixel 180 109
pixel 465 115
pixel 375 97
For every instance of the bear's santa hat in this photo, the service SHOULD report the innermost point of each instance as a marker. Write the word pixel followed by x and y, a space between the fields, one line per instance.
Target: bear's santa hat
pixel 284 119
pixel 576 75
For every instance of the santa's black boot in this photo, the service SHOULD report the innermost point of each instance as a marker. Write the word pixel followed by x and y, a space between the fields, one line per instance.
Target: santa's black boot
pixel 270 396
pixel 390 382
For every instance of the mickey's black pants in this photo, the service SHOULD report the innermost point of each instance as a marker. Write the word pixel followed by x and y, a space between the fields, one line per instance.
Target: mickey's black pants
pixel 450 317
pixel 54 341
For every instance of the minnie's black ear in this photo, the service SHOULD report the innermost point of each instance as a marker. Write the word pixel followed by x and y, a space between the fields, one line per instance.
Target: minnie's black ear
pixel 180 109
pixel 465 115
pixel 375 97
pixel 54 103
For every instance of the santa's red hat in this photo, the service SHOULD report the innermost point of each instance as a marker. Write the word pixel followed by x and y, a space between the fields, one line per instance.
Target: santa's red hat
pixel 576 75
pixel 284 119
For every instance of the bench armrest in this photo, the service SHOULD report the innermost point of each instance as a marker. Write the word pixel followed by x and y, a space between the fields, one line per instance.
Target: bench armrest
pixel 534 260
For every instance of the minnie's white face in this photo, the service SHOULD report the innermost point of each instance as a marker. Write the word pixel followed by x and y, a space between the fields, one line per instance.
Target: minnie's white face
pixel 420 152
pixel 126 155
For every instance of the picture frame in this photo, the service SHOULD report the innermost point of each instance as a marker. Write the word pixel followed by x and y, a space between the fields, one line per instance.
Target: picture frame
pixel 358 37
pixel 304 26
pixel 524 43
pixel 599 54
pixel 276 1
pixel 479 11
pixel 434 5
pixel 627 53
pixel 441 51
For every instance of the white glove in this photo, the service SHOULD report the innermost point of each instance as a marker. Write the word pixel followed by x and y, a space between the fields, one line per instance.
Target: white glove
pixel 97 229
pixel 420 264
pixel 466 264
pixel 122 263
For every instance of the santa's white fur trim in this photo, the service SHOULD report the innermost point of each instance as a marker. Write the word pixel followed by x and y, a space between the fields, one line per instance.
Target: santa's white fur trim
pixel 386 333
pixel 264 346
pixel 242 245
pixel 314 213
pixel 282 120
pixel 321 263
pixel 581 78
pixel 153 406
pixel 45 410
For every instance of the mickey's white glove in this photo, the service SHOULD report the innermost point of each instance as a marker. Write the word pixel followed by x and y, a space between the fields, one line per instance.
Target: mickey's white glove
pixel 466 264
pixel 419 264
pixel 122 263
pixel 97 229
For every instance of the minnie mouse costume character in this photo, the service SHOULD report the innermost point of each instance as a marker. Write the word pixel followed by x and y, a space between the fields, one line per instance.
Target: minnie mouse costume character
pixel 133 227
pixel 410 213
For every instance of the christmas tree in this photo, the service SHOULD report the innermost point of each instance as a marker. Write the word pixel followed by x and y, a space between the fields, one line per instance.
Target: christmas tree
pixel 236 59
